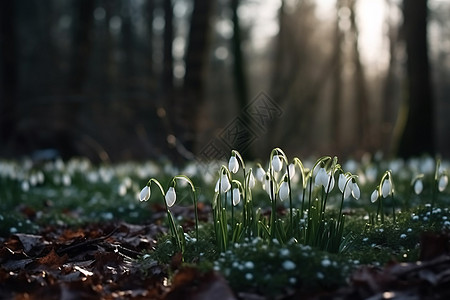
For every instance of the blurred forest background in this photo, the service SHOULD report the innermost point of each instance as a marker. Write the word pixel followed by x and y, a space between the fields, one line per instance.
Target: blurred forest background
pixel 145 79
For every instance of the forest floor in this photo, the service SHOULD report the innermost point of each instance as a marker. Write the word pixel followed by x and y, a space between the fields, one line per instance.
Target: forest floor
pixel 87 236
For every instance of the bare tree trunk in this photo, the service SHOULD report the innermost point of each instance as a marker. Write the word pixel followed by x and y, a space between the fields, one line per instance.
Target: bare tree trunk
pixel 83 44
pixel 337 82
pixel 8 73
pixel 361 95
pixel 167 77
pixel 388 109
pixel 196 60
pixel 240 79
pixel 418 133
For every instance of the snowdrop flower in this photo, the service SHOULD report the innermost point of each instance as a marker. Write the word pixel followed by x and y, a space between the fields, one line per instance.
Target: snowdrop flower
pixel 171 197
pixel 356 192
pixel 283 192
pixel 236 196
pixel 386 188
pixel 260 174
pixel 443 181
pixel 374 196
pixel 145 193
pixel 267 186
pixel 291 171
pixel 251 180
pixel 223 183
pixel 342 184
pixel 325 179
pixel 276 163
pixel 233 164
pixel 321 177
pixel 418 186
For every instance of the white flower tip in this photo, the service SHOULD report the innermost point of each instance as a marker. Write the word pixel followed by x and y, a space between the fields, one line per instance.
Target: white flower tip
pixel 251 181
pixel 386 188
pixel 443 181
pixel 145 194
pixel 236 196
pixel 291 171
pixel 276 163
pixel 374 196
pixel 233 164
pixel 171 197
pixel 356 192
pixel 418 187
pixel 284 191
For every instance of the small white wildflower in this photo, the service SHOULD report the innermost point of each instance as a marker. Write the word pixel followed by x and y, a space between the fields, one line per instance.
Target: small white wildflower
pixel 284 191
pixel 386 188
pixel 321 177
pixel 326 262
pixel 356 193
pixel 276 163
pixel 260 174
pixel 171 196
pixel 374 196
pixel 122 190
pixel 25 186
pixel 320 275
pixel 249 265
pixel 66 180
pixel 145 193
pixel 251 180
pixel 418 186
pixel 289 265
pixel 341 182
pixel 292 280
pixel 224 184
pixel 291 171
pixel 236 196
pixel 403 236
pixel 443 181
pixel 233 164
pixel 267 186
pixel 248 276
pixel 284 252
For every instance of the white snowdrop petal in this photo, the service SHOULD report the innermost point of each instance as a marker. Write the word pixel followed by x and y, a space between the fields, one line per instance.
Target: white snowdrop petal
pixel 291 171
pixel 443 181
pixel 171 197
pixel 236 196
pixel 260 174
pixel 284 191
pixel 386 188
pixel 374 196
pixel 341 182
pixel 356 192
pixel 418 187
pixel 233 164
pixel 145 194
pixel 276 163
pixel 251 180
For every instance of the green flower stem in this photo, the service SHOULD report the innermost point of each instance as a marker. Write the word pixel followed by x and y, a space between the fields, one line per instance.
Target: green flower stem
pixel 298 162
pixel 435 187
pixel 172 226
pixel 189 181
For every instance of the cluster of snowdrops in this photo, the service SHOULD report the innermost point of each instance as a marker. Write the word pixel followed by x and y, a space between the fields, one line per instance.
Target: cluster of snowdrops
pixel 236 217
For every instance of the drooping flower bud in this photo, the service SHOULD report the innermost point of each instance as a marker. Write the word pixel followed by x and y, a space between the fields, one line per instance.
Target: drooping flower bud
pixel 276 163
pixel 236 196
pixel 233 164
pixel 145 193
pixel 171 196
